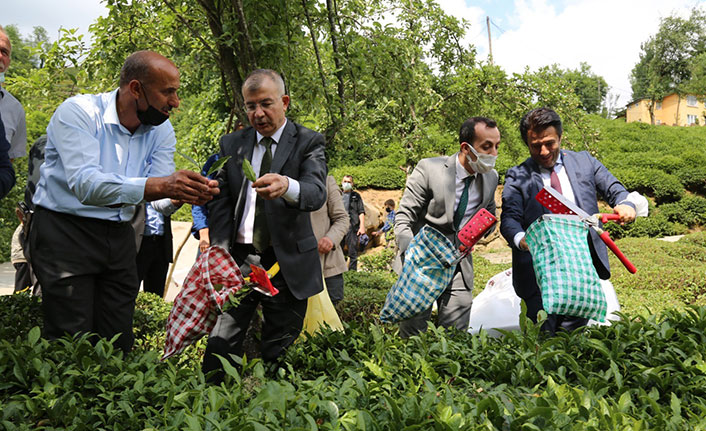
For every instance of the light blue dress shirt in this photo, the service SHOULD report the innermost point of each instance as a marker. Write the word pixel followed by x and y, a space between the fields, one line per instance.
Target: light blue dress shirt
pixel 92 161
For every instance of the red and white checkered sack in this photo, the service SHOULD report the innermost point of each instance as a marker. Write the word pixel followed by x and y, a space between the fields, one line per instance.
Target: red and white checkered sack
pixel 198 304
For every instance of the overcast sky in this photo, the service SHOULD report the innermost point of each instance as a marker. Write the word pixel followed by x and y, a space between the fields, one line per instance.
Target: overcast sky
pixel 604 33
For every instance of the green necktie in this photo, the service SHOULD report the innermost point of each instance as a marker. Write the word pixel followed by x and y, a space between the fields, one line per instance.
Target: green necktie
pixel 261 233
pixel 462 203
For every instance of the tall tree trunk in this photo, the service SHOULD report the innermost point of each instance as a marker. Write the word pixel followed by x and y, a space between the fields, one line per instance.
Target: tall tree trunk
pixel 354 83
pixel 336 58
pixel 226 57
pixel 312 32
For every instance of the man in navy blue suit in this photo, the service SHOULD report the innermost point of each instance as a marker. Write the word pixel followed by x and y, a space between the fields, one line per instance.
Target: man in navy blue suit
pixel 576 175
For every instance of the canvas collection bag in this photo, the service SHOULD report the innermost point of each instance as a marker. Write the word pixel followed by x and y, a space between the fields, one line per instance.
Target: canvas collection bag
pixel 429 264
pixel 564 268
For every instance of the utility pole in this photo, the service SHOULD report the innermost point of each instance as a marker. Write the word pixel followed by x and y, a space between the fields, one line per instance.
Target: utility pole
pixel 490 44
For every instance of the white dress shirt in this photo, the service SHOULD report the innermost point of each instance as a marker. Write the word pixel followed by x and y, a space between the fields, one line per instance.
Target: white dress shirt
pixel 245 229
pixel 566 189
pixel 474 191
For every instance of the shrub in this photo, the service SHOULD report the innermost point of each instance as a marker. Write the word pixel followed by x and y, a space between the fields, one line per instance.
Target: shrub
pixel 653 182
pixel 654 226
pixel 18 314
pixel 380 261
pixel 693 178
pixel 383 174
pixel 378 280
pixel 690 211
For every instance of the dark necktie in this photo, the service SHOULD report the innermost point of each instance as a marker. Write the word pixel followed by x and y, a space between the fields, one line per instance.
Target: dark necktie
pixel 261 233
pixel 462 203
pixel 554 181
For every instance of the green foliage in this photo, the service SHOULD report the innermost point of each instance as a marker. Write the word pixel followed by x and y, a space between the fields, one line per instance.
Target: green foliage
pixel 690 211
pixel 653 182
pixel 383 174
pixel 381 261
pixel 668 274
pixel 373 280
pixel 645 371
pixel 654 226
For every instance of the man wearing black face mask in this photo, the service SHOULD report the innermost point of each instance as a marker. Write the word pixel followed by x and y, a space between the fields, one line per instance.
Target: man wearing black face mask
pixel 105 154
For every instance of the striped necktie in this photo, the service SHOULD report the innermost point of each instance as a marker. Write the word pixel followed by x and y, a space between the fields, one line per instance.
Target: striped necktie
pixel 261 233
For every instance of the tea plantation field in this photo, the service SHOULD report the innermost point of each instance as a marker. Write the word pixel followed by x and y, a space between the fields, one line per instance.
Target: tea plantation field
pixel 645 372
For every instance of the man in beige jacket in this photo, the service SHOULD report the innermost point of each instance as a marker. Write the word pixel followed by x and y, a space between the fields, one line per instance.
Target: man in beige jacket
pixel 330 224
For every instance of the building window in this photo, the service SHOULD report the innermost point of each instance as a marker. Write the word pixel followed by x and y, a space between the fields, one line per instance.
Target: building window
pixel 659 105
pixel 691 100
pixel 690 119
pixel 658 122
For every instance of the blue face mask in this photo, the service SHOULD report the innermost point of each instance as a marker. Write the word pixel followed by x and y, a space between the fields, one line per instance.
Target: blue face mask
pixel 2 77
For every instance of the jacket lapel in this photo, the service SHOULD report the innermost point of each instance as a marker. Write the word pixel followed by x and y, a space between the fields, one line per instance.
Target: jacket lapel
pixel 284 146
pixel 450 188
pixel 536 184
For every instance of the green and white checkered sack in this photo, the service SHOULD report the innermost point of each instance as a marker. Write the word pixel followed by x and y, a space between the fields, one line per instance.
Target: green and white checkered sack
pixel 564 268
pixel 429 264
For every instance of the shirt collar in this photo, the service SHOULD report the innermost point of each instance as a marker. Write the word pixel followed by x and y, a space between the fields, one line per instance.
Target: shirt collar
pixel 557 165
pixel 461 172
pixel 110 115
pixel 275 137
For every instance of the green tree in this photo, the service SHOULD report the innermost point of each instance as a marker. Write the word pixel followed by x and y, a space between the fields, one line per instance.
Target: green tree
pixel 666 59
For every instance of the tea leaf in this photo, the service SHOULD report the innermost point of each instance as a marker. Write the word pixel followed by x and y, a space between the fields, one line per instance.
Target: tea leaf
pixel 249 171
pixel 194 162
pixel 217 165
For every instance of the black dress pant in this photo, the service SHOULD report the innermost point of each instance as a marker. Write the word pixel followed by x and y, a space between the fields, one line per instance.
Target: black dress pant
pixel 88 275
pixel 152 264
pixel 283 319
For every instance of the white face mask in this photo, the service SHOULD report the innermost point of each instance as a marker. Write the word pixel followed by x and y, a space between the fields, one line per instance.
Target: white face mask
pixel 2 77
pixel 347 187
pixel 484 162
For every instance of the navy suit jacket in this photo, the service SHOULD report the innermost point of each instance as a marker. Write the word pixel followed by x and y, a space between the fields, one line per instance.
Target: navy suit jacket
pixel 7 173
pixel 299 155
pixel 588 177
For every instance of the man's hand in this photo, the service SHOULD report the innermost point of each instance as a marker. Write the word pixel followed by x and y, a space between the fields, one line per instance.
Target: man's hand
pixel 204 240
pixel 182 186
pixel 361 230
pixel 325 245
pixel 626 213
pixel 271 186
pixel 523 244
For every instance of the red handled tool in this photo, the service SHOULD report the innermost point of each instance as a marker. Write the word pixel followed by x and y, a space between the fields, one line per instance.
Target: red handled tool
pixel 474 230
pixel 558 204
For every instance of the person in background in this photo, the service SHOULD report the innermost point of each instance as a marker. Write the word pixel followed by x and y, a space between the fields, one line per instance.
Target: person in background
pixel 13 114
pixel 330 224
pixel 445 192
pixel 23 275
pixel 577 176
pixel 387 227
pixel 153 234
pixel 199 213
pixel 105 154
pixel 7 172
pixel 355 207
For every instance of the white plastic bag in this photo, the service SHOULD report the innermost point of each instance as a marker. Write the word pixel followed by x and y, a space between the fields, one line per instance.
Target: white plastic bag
pixel 498 307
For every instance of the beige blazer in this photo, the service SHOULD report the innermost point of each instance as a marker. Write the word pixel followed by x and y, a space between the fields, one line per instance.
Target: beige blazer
pixel 429 197
pixel 331 220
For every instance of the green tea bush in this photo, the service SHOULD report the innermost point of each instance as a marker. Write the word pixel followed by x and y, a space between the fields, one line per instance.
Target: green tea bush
pixel 383 174
pixel 662 186
pixel 654 226
pixel 380 261
pixel 690 211
pixel 693 178
pixel 379 280
pixel 18 314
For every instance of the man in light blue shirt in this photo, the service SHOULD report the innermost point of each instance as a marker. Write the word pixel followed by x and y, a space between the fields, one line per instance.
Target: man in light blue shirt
pixel 105 154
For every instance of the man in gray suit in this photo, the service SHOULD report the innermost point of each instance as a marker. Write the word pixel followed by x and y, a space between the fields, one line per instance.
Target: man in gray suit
pixel 445 192
pixel 579 177
pixel 268 220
